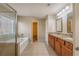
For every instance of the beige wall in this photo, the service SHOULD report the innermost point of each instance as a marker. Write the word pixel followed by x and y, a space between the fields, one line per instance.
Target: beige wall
pixel 42 29
pixel 27 26
pixel 51 23
pixel 76 28
pixel 50 26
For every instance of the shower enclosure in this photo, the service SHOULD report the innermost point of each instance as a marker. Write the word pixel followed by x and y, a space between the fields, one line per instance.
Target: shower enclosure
pixel 8 40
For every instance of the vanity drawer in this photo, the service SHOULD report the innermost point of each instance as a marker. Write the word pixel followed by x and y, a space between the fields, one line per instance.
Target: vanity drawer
pixel 50 36
pixel 61 41
pixel 69 45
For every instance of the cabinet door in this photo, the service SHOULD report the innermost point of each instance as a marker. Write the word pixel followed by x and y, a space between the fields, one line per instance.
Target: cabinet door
pixel 69 45
pixel 49 40
pixel 57 47
pixel 61 41
pixel 66 51
pixel 53 42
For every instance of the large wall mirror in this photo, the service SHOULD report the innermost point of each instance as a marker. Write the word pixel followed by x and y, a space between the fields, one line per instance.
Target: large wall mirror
pixel 59 25
pixel 69 23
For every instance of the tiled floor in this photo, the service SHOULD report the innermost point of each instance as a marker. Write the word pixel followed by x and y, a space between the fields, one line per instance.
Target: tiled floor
pixel 38 49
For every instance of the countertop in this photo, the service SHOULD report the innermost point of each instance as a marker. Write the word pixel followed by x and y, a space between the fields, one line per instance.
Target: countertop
pixel 63 37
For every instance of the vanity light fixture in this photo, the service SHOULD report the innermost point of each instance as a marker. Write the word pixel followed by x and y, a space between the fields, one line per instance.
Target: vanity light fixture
pixel 59 13
pixel 63 10
pixel 67 8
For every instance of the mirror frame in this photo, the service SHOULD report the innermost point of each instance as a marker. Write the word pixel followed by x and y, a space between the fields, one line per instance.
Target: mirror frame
pixel 69 16
pixel 59 21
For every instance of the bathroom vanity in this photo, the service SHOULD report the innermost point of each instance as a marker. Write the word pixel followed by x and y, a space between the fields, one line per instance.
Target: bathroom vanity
pixel 62 45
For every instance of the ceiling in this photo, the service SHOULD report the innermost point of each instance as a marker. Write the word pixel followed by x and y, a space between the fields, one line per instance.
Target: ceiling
pixel 37 9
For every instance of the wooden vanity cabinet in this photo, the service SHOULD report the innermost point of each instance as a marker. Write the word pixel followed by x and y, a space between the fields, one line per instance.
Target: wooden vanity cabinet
pixel 51 41
pixel 60 46
pixel 69 45
pixel 61 41
pixel 66 51
pixel 57 46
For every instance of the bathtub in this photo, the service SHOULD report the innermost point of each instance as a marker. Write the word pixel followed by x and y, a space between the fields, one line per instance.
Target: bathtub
pixel 7 47
pixel 22 44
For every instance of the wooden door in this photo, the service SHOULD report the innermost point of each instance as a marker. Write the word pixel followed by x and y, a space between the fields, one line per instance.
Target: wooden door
pixel 35 32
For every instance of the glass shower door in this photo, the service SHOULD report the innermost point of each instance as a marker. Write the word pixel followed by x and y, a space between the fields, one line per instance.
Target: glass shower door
pixel 7 31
